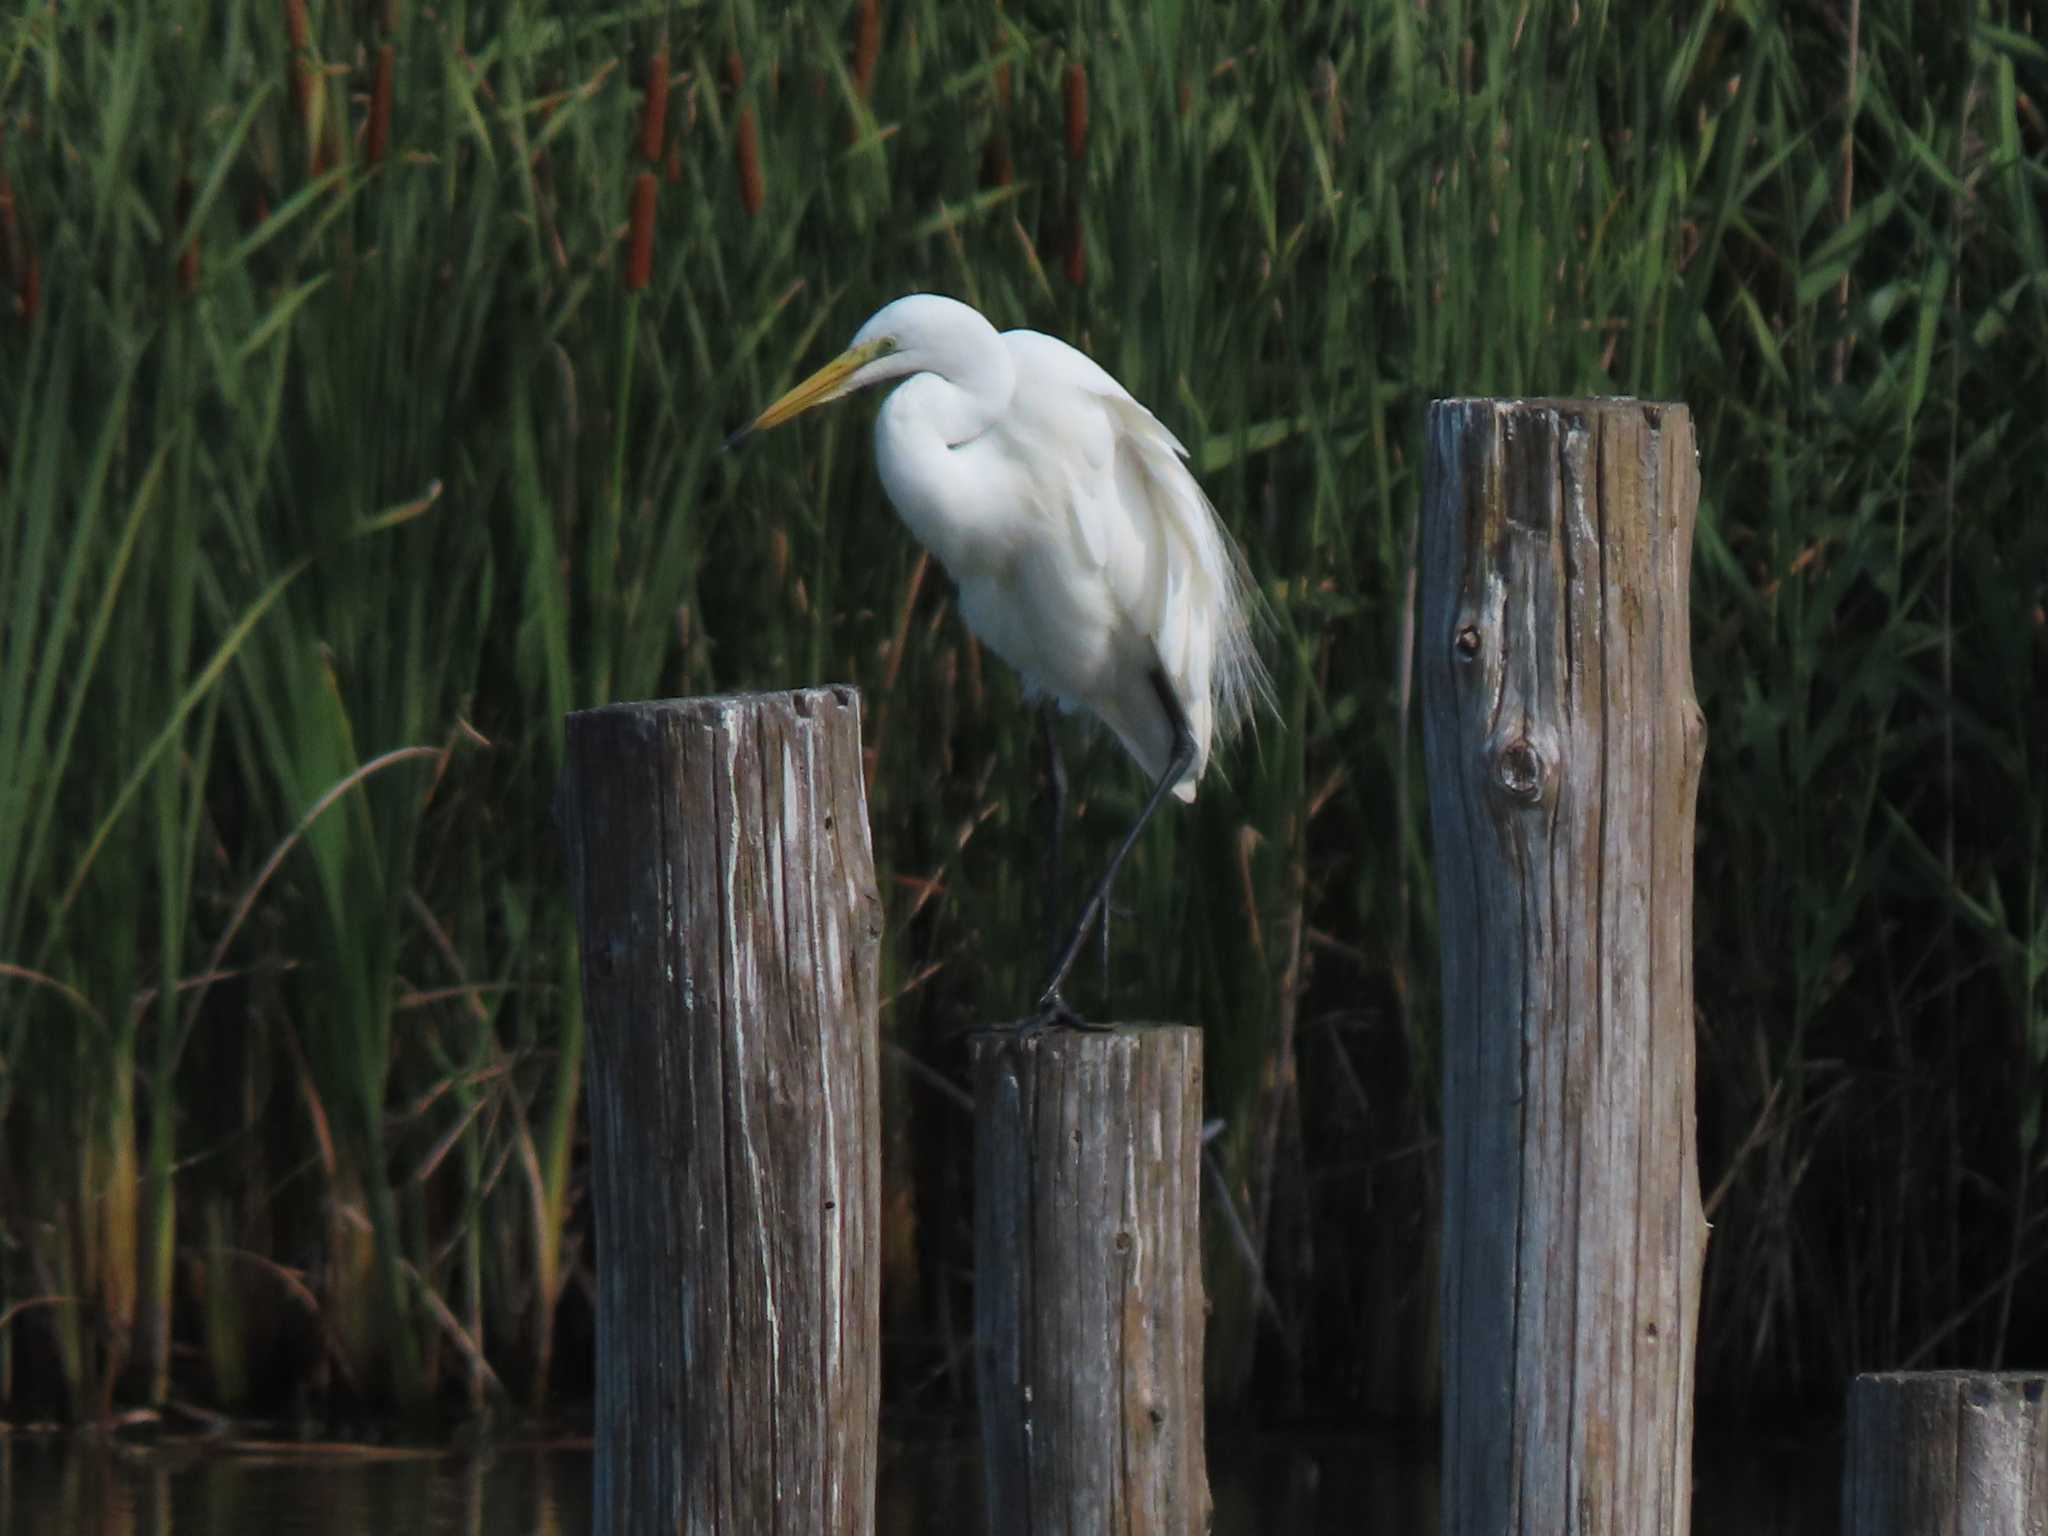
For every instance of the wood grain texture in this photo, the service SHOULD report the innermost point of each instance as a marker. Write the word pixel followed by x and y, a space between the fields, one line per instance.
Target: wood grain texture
pixel 1947 1453
pixel 1088 1302
pixel 1563 746
pixel 725 894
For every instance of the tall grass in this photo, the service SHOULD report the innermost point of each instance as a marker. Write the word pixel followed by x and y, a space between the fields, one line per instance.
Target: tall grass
pixel 357 421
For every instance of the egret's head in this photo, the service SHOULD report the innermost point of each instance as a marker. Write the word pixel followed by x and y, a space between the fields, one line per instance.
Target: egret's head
pixel 918 333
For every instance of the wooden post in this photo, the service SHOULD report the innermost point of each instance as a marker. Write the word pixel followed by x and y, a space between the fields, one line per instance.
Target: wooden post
pixel 1960 1452
pixel 1563 745
pixel 1088 1282
pixel 725 892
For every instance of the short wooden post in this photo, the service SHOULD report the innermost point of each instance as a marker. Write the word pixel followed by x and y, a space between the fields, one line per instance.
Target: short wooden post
pixel 1563 745
pixel 725 893
pixel 1964 1453
pixel 1088 1286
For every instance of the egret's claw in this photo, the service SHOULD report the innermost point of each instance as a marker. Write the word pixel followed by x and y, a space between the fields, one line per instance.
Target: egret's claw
pixel 1055 1012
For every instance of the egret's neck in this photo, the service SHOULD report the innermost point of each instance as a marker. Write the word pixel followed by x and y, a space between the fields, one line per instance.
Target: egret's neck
pixel 926 447
pixel 958 402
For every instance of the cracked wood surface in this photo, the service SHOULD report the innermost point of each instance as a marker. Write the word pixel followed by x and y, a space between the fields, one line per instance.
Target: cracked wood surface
pixel 725 895
pixel 1563 745
pixel 1956 1453
pixel 1088 1305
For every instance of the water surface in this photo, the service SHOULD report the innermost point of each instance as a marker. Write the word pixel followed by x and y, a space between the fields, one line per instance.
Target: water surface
pixel 1301 1486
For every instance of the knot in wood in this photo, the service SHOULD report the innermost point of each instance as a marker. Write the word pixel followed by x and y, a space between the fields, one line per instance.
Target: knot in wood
pixel 1467 642
pixel 1518 770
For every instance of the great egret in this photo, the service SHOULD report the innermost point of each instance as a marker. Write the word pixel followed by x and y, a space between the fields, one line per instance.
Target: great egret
pixel 1084 551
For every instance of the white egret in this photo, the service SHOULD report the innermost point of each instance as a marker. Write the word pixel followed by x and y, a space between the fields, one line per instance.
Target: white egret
pixel 1084 552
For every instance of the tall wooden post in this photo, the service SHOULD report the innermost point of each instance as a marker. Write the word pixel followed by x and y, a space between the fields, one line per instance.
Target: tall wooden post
pixel 1088 1307
pixel 1563 744
pixel 1961 1452
pixel 725 893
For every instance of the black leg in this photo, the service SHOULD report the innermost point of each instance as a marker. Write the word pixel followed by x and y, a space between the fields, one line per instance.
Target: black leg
pixel 1056 817
pixel 1052 1008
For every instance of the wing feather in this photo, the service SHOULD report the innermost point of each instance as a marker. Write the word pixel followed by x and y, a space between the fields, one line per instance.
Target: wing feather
pixel 1139 517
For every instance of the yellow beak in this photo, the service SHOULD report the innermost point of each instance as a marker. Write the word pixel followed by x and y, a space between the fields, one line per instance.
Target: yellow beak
pixel 828 383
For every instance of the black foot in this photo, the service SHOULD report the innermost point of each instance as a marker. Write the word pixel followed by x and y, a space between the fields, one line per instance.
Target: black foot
pixel 1055 1012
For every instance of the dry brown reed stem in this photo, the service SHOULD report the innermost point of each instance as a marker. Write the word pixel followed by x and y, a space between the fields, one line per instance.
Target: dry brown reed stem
pixel 640 256
pixel 379 142
pixel 29 296
pixel 867 46
pixel 1076 264
pixel 1077 111
pixel 654 112
pixel 1002 70
pixel 997 169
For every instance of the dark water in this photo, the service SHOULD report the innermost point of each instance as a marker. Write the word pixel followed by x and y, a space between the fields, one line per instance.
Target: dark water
pixel 1297 1486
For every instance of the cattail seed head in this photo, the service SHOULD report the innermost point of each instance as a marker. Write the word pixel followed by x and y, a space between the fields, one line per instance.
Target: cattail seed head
pixel 640 247
pixel 379 143
pixel 654 112
pixel 747 152
pixel 308 89
pixel 1077 111
pixel 867 46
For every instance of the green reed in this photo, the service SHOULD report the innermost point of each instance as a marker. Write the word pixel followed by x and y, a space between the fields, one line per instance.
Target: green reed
pixel 341 459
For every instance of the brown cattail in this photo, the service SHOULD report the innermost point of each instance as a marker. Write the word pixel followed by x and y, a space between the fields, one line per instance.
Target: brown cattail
pixel 188 254
pixel 379 144
pixel 654 112
pixel 867 46
pixel 753 190
pixel 1077 111
pixel 1077 245
pixel 640 251
pixel 300 31
pixel 672 169
pixel 307 88
pixel 746 139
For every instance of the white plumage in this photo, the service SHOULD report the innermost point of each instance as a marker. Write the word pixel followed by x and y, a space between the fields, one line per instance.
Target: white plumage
pixel 1085 553
pixel 1083 549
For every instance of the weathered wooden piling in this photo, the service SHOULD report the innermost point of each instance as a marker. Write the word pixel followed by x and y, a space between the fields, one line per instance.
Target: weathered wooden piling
pixel 1564 744
pixel 1088 1286
pixel 1964 1453
pixel 725 893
